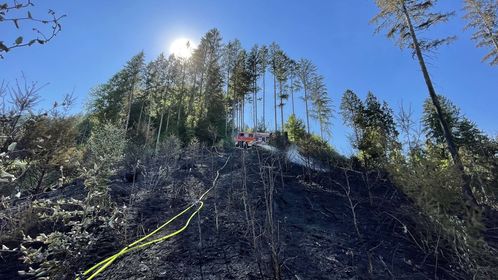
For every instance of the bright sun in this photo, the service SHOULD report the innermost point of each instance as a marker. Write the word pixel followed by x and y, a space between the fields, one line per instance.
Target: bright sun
pixel 181 47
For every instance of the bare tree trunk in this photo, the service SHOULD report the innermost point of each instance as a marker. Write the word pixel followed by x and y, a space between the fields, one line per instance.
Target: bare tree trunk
pixel 466 189
pixel 167 121
pixel 130 102
pixel 292 94
pixel 307 114
pixel 180 101
pixel 227 95
pixel 147 131
pixel 159 131
pixel 255 106
pixel 275 100
pixel 264 97
pixel 281 108
pixel 140 118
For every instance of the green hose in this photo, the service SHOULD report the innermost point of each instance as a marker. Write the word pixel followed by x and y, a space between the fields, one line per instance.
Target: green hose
pixel 101 266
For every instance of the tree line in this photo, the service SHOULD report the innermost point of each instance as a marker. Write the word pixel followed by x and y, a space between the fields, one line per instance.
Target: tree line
pixel 209 94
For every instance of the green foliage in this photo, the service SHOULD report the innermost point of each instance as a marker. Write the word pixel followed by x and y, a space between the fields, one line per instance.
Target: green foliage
pixel 295 129
pixel 446 223
pixel 319 149
pixel 375 133
pixel 112 101
pixel 75 231
pixel 311 145
pixel 53 155
pixel 104 152
pixel 476 149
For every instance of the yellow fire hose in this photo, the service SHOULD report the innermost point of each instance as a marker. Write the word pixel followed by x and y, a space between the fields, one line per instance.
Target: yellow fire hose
pixel 101 266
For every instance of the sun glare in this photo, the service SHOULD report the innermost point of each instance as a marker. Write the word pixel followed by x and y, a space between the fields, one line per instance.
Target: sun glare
pixel 181 47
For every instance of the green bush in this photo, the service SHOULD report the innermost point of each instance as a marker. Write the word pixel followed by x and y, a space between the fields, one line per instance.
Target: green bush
pixel 319 149
pixel 105 150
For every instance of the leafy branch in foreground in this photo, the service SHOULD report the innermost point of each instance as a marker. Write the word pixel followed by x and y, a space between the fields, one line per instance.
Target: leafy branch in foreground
pixel 18 13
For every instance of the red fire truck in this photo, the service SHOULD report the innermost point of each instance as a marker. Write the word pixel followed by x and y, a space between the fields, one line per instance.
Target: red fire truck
pixel 248 139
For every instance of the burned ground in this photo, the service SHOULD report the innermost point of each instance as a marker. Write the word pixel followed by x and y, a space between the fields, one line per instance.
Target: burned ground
pixel 265 219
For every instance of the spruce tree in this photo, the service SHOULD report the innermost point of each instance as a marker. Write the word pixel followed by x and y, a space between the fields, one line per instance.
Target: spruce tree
pixel 405 19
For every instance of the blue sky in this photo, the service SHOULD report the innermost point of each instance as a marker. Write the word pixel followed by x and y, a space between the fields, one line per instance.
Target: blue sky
pixel 98 37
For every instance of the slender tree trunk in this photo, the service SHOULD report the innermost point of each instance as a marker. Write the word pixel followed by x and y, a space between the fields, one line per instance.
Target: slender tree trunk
pixel 466 189
pixel 255 106
pixel 180 100
pixel 159 131
pixel 226 106
pixel 234 105
pixel 148 129
pixel 130 102
pixel 201 86
pixel 275 101
pixel 264 97
pixel 140 118
pixel 167 120
pixel 281 108
pixel 241 113
pixel 320 123
pixel 306 103
pixel 292 94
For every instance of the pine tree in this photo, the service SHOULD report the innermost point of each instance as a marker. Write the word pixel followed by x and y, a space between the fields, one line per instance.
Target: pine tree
pixel 482 17
pixel 405 18
pixel 229 58
pixel 321 105
pixel 241 85
pixel 264 55
pixel 306 72
pixel 274 53
pixel 205 73
pixel 374 127
pixel 162 82
pixel 113 100
pixel 352 114
pixel 254 62
pixel 293 82
pixel 131 78
pixel 281 71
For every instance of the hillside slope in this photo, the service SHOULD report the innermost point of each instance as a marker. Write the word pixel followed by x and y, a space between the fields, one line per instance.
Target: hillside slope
pixel 314 234
pixel 303 229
